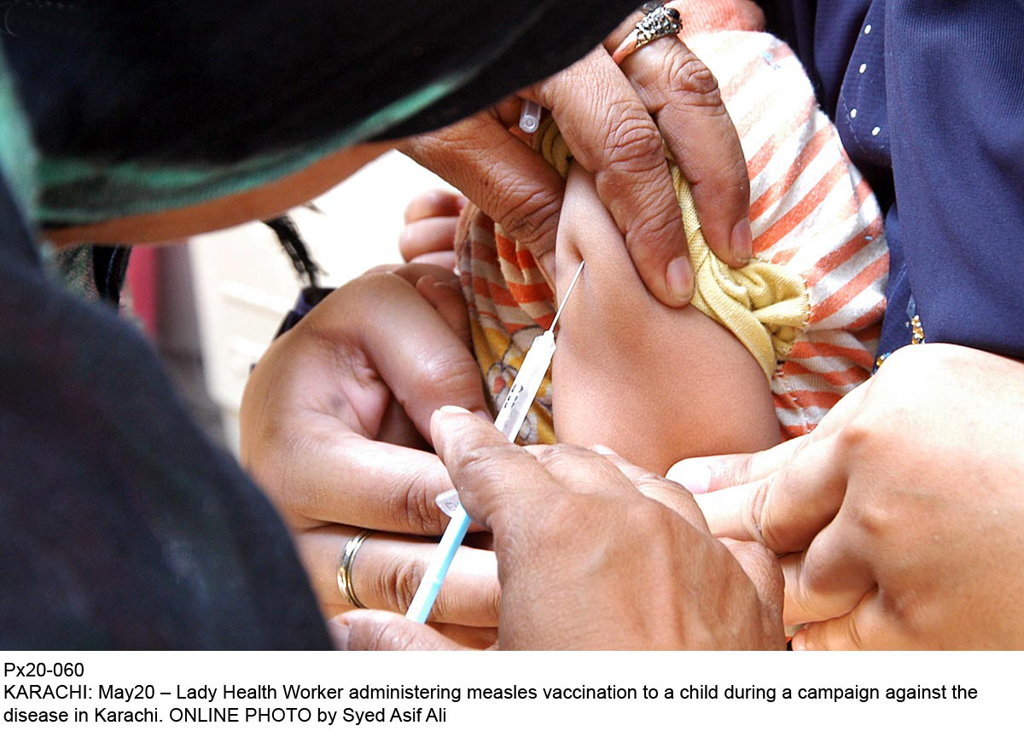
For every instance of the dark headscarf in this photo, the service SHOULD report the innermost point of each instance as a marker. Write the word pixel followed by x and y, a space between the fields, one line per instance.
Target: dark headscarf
pixel 139 107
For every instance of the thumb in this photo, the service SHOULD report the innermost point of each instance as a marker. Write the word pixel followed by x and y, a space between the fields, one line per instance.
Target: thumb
pixel 421 359
pixel 702 475
pixel 382 630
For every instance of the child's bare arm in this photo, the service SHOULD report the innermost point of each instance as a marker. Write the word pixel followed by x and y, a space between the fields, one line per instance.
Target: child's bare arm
pixel 653 383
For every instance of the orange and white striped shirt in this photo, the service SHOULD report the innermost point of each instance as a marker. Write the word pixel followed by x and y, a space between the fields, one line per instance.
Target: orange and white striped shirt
pixel 811 212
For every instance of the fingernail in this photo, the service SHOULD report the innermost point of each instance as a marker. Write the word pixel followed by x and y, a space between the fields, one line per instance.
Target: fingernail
pixel 742 243
pixel 602 449
pixel 799 641
pixel 339 631
pixel 452 410
pixel 679 277
pixel 426 281
pixel 694 477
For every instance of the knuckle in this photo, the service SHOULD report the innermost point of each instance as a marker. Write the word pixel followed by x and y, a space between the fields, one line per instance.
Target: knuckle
pixel 634 142
pixel 446 603
pixel 424 514
pixel 410 241
pixel 373 638
pixel 745 592
pixel 858 435
pixel 528 214
pixel 384 636
pixel 691 78
pixel 734 473
pixel 450 375
pixel 873 518
pixel 447 151
pixel 485 467
pixel 644 516
pixel 416 512
pixel 371 287
pixel 273 469
pixel 761 528
pixel 902 376
pixel 414 208
pixel 664 228
pixel 399 581
pixel 435 202
pixel 554 87
pixel 557 455
pixel 453 606
pixel 425 148
pixel 652 481
pixel 734 180
pixel 561 509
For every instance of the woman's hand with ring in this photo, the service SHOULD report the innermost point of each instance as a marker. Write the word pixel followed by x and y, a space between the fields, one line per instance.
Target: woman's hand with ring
pixel 335 427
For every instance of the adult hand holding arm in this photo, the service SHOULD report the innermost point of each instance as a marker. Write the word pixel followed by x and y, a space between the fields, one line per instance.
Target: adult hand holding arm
pixel 901 517
pixel 592 553
pixel 610 118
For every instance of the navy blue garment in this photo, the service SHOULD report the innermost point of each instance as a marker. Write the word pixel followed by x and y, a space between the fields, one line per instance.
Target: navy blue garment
pixel 120 526
pixel 308 298
pixel 928 97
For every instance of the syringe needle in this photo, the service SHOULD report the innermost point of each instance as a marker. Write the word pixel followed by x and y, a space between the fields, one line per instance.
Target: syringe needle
pixel 565 299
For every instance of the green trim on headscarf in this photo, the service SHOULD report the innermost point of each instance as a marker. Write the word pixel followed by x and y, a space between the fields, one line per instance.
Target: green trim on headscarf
pixel 17 151
pixel 76 191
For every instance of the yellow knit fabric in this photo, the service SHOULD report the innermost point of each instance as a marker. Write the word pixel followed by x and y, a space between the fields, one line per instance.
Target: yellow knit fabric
pixel 763 304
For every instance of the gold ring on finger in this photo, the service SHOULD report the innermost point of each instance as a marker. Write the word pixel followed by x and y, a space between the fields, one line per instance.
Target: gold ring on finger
pixel 348 556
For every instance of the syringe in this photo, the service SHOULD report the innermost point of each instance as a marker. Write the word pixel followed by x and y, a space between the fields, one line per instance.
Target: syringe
pixel 509 420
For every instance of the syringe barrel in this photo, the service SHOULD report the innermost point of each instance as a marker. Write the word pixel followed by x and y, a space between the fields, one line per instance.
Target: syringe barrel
pixel 525 386
pixel 529 116
pixel 437 568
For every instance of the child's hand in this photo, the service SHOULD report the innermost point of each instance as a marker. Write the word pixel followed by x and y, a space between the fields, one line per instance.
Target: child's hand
pixel 429 234
pixel 441 288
